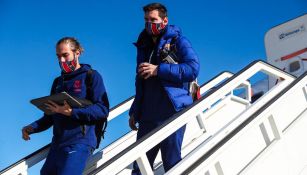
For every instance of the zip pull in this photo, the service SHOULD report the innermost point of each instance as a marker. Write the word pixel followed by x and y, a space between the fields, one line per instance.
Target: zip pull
pixel 83 130
pixel 149 61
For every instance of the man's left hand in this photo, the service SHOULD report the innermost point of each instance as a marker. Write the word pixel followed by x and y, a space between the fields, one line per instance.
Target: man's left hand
pixel 147 70
pixel 64 109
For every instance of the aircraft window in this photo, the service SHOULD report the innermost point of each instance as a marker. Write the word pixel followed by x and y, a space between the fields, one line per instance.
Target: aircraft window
pixel 294 66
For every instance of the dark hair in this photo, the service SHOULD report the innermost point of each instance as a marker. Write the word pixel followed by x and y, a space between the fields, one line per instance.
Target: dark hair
pixel 156 6
pixel 73 43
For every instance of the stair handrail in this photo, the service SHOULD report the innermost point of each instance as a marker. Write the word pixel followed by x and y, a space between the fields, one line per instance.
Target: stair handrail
pixel 137 151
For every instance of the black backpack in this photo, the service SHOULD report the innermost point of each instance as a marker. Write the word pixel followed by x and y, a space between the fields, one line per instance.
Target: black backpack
pixel 100 125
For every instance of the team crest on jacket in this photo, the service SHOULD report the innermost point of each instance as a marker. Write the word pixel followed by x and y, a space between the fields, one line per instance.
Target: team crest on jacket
pixel 77 86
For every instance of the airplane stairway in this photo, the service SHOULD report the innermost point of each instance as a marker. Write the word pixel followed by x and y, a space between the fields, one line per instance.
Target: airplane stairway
pixel 226 133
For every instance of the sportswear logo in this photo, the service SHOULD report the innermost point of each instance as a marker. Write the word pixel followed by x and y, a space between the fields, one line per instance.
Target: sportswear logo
pixel 71 152
pixel 77 86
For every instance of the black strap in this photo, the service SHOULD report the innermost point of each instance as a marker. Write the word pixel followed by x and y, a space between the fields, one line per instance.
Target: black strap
pixel 170 51
pixel 54 85
pixel 173 43
pixel 105 124
pixel 89 83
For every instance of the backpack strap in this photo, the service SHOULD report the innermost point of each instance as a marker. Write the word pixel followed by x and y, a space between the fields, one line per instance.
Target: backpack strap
pixel 169 49
pixel 104 127
pixel 89 84
pixel 173 47
pixel 100 127
pixel 54 85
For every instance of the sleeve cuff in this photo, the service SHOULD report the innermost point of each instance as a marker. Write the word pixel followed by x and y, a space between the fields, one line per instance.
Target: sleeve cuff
pixel 34 125
pixel 162 70
pixel 75 113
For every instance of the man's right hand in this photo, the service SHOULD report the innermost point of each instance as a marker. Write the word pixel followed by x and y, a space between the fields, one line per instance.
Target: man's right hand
pixel 132 123
pixel 26 131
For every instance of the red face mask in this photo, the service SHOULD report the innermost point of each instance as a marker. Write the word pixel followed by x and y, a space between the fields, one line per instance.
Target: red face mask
pixel 68 66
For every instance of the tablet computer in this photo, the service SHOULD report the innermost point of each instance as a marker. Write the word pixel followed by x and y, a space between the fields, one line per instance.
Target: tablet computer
pixel 59 99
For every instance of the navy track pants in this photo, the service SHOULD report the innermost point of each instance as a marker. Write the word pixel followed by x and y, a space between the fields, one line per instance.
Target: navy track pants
pixel 170 147
pixel 67 160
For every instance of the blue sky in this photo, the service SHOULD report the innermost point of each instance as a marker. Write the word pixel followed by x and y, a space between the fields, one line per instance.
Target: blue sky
pixel 227 35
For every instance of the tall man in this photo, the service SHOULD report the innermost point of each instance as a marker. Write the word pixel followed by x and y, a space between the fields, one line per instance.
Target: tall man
pixel 162 86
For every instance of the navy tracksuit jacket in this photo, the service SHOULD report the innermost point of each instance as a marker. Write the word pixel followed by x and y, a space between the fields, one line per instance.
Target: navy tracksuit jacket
pixel 70 147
